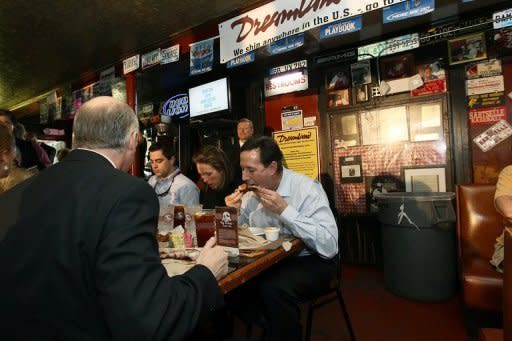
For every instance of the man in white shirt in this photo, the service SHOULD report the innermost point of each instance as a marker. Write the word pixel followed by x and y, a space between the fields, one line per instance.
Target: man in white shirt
pixel 299 206
pixel 170 185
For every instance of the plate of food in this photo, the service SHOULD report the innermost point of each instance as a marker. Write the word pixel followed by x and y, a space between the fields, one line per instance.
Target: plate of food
pixel 257 231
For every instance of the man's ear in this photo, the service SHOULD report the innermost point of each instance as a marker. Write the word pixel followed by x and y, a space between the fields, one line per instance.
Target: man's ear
pixel 134 140
pixel 272 167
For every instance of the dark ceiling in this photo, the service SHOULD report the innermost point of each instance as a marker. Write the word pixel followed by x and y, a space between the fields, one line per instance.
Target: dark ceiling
pixel 46 44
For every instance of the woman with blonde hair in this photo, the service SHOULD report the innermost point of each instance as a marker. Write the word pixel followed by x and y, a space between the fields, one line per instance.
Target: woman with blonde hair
pixel 10 174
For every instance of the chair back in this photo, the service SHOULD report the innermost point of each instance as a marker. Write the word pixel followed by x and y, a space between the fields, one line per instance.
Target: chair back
pixel 507 286
pixel 478 223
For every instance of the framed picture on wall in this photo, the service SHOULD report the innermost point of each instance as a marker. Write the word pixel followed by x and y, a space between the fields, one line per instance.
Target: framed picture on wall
pixel 345 130
pixel 337 79
pixel 397 67
pixel 361 73
pixel 361 93
pixel 425 179
pixel 351 169
pixel 467 49
pixel 338 98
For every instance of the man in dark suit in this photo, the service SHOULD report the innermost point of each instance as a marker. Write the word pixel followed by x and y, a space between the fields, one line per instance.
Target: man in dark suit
pixel 78 251
pixel 244 130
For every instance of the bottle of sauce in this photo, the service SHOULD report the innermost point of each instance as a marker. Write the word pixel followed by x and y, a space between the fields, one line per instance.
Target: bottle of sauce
pixel 179 216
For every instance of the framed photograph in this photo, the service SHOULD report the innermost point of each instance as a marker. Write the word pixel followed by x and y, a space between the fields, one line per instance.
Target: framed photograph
pixel 425 179
pixel 351 169
pixel 426 121
pixel 361 73
pixel 337 80
pixel 397 67
pixel 361 93
pixel 337 99
pixel 344 130
pixel 467 49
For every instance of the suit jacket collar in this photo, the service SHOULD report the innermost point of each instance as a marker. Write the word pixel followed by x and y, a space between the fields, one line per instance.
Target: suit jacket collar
pixel 87 155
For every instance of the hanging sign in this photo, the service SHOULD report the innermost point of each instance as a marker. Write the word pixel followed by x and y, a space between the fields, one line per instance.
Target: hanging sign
pixel 337 57
pixel 176 107
pixel 282 18
pixel 487 115
pixel 341 27
pixel 394 45
pixel 407 9
pixel 151 58
pixel 242 60
pixel 300 150
pixel 286 44
pixel 170 54
pixel 286 83
pixel 131 64
pixel 502 19
pixel 201 57
pixel 288 67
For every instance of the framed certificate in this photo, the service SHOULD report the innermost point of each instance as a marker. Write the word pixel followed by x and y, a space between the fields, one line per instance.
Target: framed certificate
pixel 425 179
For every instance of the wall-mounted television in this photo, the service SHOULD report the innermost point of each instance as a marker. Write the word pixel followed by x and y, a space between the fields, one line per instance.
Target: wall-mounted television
pixel 209 98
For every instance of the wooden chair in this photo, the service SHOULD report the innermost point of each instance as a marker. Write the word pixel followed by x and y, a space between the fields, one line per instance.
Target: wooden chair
pixel 478 225
pixel 331 294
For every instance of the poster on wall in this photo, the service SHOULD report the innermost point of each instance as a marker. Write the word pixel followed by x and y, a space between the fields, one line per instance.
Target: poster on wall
pixel 485 100
pixel 300 150
pixel 291 120
pixel 485 85
pixel 201 57
pixel 351 170
pixel 487 68
pixel 487 115
pixel 493 136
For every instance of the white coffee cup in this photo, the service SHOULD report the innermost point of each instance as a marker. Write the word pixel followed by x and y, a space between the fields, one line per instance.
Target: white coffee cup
pixel 271 233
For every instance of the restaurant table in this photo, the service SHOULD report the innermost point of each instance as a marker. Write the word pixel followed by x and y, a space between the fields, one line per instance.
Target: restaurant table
pixel 246 268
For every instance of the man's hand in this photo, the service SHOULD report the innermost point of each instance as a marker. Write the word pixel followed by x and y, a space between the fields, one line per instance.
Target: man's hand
pixel 214 258
pixel 271 200
pixel 234 199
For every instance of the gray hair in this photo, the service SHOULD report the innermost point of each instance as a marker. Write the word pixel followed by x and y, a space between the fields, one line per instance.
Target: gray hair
pixel 104 123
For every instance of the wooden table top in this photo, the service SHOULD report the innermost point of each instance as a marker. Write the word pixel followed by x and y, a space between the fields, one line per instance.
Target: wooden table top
pixel 247 268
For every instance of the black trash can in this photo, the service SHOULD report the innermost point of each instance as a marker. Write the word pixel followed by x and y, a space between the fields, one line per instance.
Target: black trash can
pixel 418 244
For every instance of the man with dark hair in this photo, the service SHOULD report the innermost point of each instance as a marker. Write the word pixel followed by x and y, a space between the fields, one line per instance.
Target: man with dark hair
pixel 92 271
pixel 170 185
pixel 29 156
pixel 299 206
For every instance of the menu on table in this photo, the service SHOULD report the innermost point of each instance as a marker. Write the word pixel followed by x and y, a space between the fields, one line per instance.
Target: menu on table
pixel 226 226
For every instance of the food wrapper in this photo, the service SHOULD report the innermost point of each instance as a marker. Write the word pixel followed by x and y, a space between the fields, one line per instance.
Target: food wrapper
pixel 178 240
